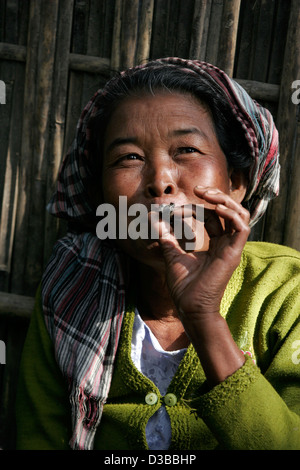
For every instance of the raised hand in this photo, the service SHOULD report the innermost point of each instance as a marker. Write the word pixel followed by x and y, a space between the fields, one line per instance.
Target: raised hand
pixel 197 280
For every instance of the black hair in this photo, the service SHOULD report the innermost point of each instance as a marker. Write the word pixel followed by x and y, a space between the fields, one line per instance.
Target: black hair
pixel 159 77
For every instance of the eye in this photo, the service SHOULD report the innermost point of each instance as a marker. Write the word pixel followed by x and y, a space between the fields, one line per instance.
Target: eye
pixel 128 159
pixel 183 150
pixel 131 156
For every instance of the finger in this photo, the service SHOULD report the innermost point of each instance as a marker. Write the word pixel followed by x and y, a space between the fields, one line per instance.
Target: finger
pixel 161 229
pixel 215 196
pixel 235 225
pixel 179 233
pixel 234 216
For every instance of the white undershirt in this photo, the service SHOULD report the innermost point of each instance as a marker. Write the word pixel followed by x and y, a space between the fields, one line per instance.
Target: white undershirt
pixel 159 366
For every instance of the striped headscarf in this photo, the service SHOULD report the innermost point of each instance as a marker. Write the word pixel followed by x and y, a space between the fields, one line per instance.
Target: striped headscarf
pixel 83 287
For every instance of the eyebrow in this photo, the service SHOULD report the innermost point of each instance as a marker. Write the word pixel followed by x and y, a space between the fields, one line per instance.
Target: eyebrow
pixel 190 130
pixel 176 132
pixel 121 141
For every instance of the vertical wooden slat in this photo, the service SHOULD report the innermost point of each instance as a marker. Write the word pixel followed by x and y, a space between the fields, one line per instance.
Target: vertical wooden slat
pixel 36 225
pixel 58 115
pixel 93 27
pixel 172 25
pixel 277 47
pixel 207 19
pixel 106 32
pixel 228 35
pixel 129 31
pixel 214 30
pixel 22 213
pixel 78 46
pixel 144 31
pixel 5 121
pixel 197 29
pixel 246 41
pixel 278 42
pixel 279 226
pixel 23 22
pixel 11 19
pixel 182 34
pixel 173 13
pixel 92 82
pixel 8 213
pixel 160 29
pixel 116 40
pixel 2 19
pixel 264 40
pixel 80 15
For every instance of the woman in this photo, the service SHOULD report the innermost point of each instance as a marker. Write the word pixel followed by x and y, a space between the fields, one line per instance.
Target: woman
pixel 154 346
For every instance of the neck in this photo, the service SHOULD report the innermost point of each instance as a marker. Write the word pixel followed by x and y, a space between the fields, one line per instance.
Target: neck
pixel 153 296
pixel 157 309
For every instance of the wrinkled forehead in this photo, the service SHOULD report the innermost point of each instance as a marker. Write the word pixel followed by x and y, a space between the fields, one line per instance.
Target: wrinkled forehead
pixel 161 114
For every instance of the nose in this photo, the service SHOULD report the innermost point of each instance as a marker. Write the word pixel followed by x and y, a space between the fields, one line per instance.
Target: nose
pixel 161 179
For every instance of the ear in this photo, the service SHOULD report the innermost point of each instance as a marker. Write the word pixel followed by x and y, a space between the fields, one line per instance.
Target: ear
pixel 238 185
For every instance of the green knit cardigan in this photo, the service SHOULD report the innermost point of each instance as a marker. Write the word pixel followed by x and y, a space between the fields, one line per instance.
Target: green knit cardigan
pixel 258 407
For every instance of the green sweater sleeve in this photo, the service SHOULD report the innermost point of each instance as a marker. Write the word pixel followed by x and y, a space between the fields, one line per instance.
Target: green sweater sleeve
pixel 42 409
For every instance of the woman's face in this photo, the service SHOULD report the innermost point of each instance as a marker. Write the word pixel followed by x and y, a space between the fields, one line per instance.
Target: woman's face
pixel 156 150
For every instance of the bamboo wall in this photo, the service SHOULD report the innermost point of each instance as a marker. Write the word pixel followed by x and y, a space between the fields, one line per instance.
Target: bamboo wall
pixel 54 54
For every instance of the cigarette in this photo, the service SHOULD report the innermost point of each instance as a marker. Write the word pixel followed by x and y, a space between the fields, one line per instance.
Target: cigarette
pixel 168 210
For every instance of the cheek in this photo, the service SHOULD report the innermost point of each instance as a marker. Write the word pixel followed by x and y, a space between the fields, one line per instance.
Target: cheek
pixel 117 184
pixel 207 174
pixel 110 189
pixel 222 179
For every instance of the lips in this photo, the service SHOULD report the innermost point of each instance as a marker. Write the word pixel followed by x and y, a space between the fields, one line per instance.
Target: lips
pixel 178 200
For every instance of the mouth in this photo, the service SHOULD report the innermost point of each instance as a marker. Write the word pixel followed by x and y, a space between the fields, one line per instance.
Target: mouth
pixel 186 222
pixel 167 208
pixel 167 211
pixel 170 211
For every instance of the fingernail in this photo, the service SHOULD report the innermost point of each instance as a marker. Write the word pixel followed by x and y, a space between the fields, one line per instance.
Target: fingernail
pixel 212 191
